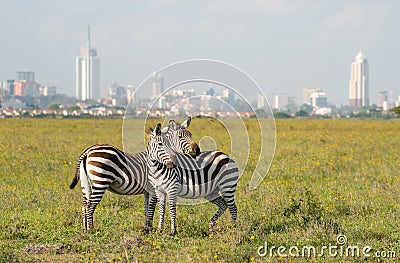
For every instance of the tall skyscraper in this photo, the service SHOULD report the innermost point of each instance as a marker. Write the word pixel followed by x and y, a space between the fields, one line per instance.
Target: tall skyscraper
pixel 157 85
pixel 359 82
pixel 88 73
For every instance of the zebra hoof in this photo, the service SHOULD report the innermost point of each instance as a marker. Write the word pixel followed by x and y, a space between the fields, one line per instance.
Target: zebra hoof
pixel 147 229
pixel 173 233
pixel 211 226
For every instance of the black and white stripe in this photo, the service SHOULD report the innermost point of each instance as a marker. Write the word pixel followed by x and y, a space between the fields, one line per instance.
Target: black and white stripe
pixel 104 167
pixel 211 175
pixel 180 139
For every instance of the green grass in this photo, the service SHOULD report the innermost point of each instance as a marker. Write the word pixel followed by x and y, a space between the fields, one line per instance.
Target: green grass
pixel 328 177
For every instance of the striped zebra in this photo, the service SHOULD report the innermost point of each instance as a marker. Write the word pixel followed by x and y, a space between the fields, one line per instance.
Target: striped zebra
pixel 180 139
pixel 104 167
pixel 211 175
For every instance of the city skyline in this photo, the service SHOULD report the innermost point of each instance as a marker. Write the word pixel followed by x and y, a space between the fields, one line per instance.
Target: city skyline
pixel 285 46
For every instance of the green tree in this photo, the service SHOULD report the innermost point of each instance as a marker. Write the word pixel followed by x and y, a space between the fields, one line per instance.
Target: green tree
pixel 395 111
pixel 307 108
pixel 282 115
pixel 54 106
pixel 261 113
pixel 74 107
pixel 301 113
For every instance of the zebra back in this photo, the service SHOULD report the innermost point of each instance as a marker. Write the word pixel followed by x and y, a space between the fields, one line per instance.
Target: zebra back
pixel 105 164
pixel 196 177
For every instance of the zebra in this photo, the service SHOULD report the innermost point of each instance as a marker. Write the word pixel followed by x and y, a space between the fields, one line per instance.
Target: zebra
pixel 181 139
pixel 212 175
pixel 104 167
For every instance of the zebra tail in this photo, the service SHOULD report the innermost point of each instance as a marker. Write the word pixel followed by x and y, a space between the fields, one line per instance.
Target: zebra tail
pixel 82 158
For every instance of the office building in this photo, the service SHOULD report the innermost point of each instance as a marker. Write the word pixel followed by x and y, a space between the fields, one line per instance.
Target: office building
pixel 26 75
pixel 359 82
pixel 88 73
pixel 319 99
pixel 306 94
pixel 382 98
pixel 157 85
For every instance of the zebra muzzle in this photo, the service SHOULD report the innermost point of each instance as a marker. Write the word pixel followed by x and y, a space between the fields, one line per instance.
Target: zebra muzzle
pixel 195 150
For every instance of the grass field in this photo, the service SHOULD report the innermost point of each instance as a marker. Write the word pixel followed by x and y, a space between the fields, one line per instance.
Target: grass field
pixel 329 177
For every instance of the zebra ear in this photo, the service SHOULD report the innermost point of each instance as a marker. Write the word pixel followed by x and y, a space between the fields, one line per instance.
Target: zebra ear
pixel 186 123
pixel 157 130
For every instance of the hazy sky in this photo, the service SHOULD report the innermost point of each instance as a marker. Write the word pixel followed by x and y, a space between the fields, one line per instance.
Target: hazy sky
pixel 284 45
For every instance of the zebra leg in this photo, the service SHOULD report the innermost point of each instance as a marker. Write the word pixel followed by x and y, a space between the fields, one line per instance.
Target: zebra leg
pixel 220 202
pixel 161 210
pixel 95 198
pixel 84 213
pixel 230 201
pixel 233 211
pixel 146 210
pixel 89 206
pixel 86 192
pixel 151 205
pixel 172 198
pixel 89 215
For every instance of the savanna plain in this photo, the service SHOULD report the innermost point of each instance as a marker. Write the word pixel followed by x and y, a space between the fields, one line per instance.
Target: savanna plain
pixel 328 178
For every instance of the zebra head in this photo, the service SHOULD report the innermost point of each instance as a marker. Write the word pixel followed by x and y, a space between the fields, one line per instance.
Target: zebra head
pixel 157 149
pixel 181 139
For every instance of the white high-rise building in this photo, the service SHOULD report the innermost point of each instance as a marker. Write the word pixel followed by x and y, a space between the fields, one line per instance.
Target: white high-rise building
pixel 359 82
pixel 229 97
pixel 261 102
pixel 88 73
pixel 319 99
pixel 306 94
pixel 279 102
pixel 157 85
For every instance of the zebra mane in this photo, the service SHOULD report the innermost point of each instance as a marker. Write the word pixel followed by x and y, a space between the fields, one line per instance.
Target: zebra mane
pixel 151 130
pixel 174 125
